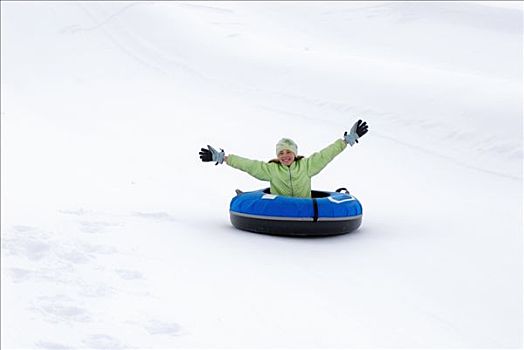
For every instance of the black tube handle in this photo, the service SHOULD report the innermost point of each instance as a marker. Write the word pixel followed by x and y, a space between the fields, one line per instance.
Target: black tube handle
pixel 342 189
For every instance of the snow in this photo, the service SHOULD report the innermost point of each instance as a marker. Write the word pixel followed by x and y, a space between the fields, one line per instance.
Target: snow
pixel 115 235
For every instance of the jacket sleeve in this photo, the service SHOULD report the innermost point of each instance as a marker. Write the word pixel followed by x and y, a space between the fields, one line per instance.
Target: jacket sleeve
pixel 318 161
pixel 255 168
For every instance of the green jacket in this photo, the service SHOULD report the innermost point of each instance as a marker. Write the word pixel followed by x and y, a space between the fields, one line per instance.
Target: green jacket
pixel 295 180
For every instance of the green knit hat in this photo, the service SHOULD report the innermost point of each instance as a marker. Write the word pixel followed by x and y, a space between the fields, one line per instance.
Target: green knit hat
pixel 287 144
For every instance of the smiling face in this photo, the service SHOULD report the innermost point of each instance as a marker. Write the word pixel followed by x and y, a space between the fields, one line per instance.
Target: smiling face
pixel 286 157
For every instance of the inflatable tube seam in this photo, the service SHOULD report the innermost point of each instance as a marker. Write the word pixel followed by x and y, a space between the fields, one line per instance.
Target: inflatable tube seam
pixel 283 218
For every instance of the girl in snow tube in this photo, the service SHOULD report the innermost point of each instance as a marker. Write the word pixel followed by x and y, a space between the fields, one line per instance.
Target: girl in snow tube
pixel 289 174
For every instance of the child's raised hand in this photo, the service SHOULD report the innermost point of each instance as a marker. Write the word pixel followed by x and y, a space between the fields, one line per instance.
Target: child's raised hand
pixel 358 130
pixel 212 155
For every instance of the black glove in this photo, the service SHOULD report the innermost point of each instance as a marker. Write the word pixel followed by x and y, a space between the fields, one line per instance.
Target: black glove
pixel 362 128
pixel 358 129
pixel 212 155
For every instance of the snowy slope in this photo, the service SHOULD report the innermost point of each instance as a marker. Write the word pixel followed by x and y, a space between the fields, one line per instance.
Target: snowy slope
pixel 115 235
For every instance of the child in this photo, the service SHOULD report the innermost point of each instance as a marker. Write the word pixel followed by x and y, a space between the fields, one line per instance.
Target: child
pixel 289 174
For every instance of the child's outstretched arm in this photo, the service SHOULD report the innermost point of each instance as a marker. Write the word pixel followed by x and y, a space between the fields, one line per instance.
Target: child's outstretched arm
pixel 318 161
pixel 255 168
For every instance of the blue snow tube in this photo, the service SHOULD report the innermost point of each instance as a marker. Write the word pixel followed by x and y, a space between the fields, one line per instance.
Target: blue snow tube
pixel 325 214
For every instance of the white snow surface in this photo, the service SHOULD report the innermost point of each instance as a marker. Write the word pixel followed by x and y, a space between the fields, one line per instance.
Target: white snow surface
pixel 115 234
